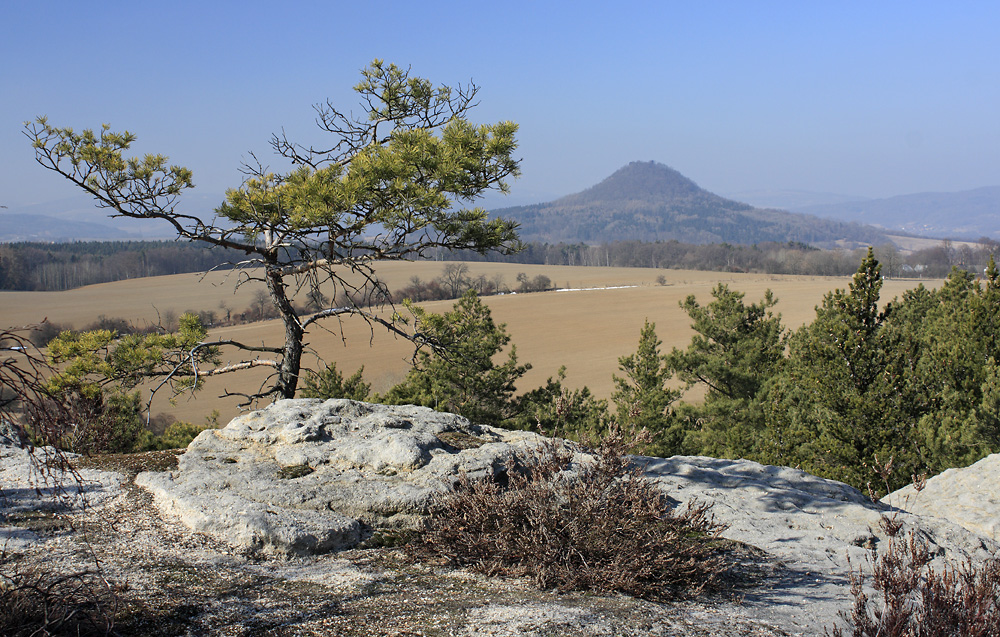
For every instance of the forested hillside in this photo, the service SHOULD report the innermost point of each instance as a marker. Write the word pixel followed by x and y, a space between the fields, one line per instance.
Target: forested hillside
pixel 914 384
pixel 647 201
pixel 868 393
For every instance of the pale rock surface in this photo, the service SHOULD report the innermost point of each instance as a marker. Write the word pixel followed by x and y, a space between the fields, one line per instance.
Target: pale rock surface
pixel 969 497
pixel 810 525
pixel 533 618
pixel 36 479
pixel 11 436
pixel 362 466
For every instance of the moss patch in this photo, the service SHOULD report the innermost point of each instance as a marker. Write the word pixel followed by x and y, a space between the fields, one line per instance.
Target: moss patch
pixel 389 538
pixel 294 471
pixel 130 464
pixel 460 440
pixel 40 522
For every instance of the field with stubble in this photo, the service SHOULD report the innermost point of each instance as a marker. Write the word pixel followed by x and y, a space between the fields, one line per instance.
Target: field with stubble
pixel 583 328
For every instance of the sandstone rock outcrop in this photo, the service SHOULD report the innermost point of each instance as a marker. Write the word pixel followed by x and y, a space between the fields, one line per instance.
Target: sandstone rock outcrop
pixel 34 479
pixel 308 476
pixel 810 525
pixel 968 497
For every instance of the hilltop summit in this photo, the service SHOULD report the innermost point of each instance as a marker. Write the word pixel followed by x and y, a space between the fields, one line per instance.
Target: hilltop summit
pixel 639 180
pixel 648 201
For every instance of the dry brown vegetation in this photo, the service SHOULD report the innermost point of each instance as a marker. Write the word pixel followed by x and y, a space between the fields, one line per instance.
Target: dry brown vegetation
pixel 585 330
pixel 597 526
pixel 35 602
pixel 912 599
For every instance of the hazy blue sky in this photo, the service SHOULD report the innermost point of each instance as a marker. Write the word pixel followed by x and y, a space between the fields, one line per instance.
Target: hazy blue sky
pixel 862 98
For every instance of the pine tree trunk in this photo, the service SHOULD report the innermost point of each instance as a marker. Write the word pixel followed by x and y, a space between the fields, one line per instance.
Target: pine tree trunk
pixel 291 359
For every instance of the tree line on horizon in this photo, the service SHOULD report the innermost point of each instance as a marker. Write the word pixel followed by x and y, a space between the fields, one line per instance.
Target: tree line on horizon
pixel 763 258
pixel 33 266
pixel 45 267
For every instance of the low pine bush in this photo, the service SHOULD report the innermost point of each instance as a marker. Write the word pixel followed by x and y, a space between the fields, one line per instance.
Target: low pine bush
pixel 597 525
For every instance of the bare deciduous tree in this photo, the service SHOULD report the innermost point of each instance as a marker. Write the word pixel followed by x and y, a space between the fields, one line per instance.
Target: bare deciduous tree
pixel 455 276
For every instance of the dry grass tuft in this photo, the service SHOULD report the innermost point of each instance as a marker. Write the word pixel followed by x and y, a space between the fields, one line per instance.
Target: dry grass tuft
pixel 598 526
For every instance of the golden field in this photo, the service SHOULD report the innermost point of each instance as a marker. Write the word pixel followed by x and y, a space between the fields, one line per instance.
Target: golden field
pixel 586 330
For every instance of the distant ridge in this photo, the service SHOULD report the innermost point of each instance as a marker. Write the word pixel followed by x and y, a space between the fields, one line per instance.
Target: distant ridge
pixel 968 214
pixel 648 201
pixel 792 200
pixel 23 227
pixel 78 218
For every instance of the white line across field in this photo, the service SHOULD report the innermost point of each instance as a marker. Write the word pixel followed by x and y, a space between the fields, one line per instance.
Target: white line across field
pixel 610 287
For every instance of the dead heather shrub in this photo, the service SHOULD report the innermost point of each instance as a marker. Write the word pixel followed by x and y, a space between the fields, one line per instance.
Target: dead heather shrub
pixel 106 423
pixel 34 600
pixel 23 372
pixel 598 526
pixel 912 599
pixel 37 603
pixel 915 600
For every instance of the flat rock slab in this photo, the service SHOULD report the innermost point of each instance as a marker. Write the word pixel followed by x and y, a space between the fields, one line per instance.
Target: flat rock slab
pixel 308 476
pixel 969 497
pixel 38 480
pixel 810 525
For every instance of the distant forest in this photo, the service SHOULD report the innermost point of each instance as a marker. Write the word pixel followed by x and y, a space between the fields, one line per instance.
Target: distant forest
pixel 767 258
pixel 63 266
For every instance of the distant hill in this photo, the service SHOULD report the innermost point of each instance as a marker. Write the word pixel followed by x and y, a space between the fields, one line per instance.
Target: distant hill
pixel 24 227
pixel 78 218
pixel 648 201
pixel 968 214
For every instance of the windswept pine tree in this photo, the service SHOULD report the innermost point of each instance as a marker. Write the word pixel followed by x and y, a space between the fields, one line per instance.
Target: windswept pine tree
pixel 393 181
